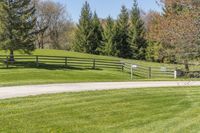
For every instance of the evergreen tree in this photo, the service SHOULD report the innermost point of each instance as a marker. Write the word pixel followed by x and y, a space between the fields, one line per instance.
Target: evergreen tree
pixel 121 34
pixel 108 38
pixel 19 23
pixel 97 38
pixel 137 34
pixel 1 15
pixel 83 35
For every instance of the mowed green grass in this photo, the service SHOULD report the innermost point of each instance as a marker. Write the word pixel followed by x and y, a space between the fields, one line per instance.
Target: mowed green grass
pixel 83 55
pixel 44 75
pixel 157 110
pixel 22 76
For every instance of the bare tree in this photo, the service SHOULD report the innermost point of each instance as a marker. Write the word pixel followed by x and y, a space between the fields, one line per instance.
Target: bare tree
pixel 178 30
pixel 52 22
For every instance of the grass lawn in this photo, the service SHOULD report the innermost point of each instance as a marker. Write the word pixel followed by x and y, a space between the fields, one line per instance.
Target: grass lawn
pixel 83 55
pixel 31 75
pixel 116 111
pixel 41 76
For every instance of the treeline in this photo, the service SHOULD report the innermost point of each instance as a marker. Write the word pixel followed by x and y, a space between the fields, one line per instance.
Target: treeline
pixel 124 37
pixel 171 36
pixel 30 24
pixel 174 35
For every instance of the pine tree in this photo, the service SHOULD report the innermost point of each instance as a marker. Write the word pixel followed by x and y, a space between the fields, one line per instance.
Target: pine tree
pixel 121 34
pixel 83 35
pixel 97 38
pixel 1 15
pixel 108 38
pixel 137 34
pixel 19 21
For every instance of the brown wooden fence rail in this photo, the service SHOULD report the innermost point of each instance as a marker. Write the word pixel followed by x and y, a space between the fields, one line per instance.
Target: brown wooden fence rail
pixel 40 61
pixel 62 61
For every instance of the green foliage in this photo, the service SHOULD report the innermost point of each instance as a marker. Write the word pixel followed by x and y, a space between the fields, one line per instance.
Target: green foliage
pixel 97 37
pixel 153 52
pixel 19 23
pixel 121 36
pixel 1 23
pixel 83 35
pixel 137 34
pixel 118 39
pixel 108 38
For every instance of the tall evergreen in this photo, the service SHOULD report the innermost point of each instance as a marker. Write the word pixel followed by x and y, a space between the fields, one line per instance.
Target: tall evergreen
pixel 19 23
pixel 96 35
pixel 121 37
pixel 83 35
pixel 137 34
pixel 1 15
pixel 108 38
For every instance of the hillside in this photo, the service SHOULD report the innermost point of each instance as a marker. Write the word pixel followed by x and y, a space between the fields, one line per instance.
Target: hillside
pixel 83 55
pixel 47 74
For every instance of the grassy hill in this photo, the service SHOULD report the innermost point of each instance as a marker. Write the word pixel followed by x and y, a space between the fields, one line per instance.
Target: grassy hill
pixel 83 55
pixel 41 75
pixel 129 111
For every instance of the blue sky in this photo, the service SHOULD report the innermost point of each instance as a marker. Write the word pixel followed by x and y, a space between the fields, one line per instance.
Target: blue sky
pixel 106 7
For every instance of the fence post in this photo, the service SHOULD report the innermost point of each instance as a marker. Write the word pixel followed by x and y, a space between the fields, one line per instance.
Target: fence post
pixel 122 64
pixel 175 73
pixel 65 61
pixel 94 64
pixel 149 73
pixel 131 72
pixel 7 60
pixel 37 61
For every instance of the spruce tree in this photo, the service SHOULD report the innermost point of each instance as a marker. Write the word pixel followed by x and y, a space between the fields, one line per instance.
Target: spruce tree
pixel 1 23
pixel 83 35
pixel 109 47
pixel 121 36
pixel 137 34
pixel 97 38
pixel 19 23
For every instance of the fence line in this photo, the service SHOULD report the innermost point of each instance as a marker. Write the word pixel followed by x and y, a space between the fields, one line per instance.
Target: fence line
pixel 146 72
pixel 41 60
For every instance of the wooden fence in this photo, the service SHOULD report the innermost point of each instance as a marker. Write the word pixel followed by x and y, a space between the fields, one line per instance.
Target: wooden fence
pixel 144 72
pixel 60 61
pixel 139 71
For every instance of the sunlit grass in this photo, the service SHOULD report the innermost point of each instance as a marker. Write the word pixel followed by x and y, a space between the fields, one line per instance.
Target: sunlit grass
pixel 133 110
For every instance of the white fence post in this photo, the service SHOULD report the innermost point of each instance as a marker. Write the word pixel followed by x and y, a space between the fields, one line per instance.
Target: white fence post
pixel 175 74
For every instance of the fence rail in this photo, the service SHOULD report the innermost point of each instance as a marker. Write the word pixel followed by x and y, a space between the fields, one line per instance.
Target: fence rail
pixel 148 72
pixel 139 71
pixel 41 60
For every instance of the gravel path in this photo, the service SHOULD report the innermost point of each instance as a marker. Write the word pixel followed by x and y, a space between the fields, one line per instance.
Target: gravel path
pixel 30 90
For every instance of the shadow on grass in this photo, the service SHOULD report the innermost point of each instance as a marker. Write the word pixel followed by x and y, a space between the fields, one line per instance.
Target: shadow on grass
pixel 20 65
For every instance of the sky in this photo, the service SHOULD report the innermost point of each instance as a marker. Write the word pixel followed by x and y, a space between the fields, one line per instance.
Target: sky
pixel 105 8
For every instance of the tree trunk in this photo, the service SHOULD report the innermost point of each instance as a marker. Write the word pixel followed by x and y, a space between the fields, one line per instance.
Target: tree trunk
pixel 11 59
pixel 42 40
pixel 186 65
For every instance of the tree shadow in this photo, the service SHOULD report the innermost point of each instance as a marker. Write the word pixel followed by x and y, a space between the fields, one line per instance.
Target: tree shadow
pixel 29 64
